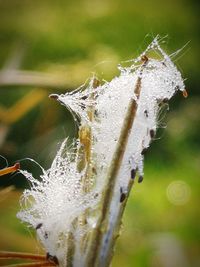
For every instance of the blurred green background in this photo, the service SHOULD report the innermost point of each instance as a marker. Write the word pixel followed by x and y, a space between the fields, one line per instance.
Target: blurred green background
pixel 54 46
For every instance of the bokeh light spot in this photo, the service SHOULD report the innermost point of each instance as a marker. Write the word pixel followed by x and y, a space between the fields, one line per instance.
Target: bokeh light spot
pixel 178 192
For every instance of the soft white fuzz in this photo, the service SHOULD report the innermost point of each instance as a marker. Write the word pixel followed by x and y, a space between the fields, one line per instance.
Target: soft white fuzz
pixel 56 202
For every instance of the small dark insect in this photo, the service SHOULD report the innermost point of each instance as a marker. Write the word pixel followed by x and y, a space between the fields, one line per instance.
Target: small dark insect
pixel 144 58
pixel 162 101
pixel 52 259
pixel 123 195
pixel 146 113
pixel 38 226
pixel 144 151
pixel 96 195
pixel 140 179
pixel 152 133
pixel 133 173
pixel 94 170
pixel 165 100
pixel 53 96
pixel 84 97
pixel 45 235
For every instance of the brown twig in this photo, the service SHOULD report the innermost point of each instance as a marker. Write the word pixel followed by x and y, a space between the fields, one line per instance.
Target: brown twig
pixel 10 169
pixel 32 264
pixel 21 255
pixel 93 258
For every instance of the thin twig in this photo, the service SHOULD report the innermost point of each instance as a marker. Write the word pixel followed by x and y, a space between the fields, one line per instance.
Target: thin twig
pixel 32 264
pixel 33 79
pixel 117 225
pixel 84 155
pixel 10 169
pixel 112 176
pixel 112 230
pixel 22 106
pixel 102 226
pixel 21 255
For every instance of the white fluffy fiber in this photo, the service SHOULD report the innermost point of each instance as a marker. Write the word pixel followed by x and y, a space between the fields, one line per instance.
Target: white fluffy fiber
pixel 53 203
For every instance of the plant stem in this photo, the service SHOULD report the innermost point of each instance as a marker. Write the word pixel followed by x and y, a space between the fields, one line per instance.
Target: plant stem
pixel 71 248
pixel 96 242
pixel 113 229
pixel 19 255
pixel 32 264
pixel 116 209
pixel 10 169
pixel 84 155
pixel 33 79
